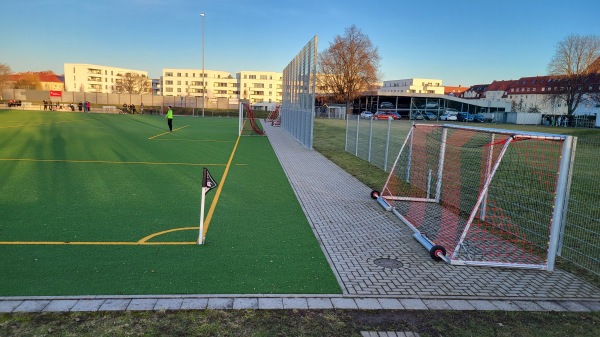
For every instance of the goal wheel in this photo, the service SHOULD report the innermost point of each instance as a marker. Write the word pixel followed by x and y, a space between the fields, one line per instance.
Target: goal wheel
pixel 436 252
pixel 374 194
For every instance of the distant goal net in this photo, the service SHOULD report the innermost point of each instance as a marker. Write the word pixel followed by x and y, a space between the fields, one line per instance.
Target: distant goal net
pixel 248 123
pixel 477 196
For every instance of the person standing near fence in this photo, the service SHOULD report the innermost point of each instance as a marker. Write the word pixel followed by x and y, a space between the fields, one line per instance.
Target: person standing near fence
pixel 170 119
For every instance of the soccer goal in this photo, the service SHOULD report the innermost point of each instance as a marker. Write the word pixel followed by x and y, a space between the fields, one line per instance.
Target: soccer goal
pixel 249 125
pixel 479 196
pixel 274 117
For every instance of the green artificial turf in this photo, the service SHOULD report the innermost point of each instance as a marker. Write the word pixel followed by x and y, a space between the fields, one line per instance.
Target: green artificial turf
pixel 71 179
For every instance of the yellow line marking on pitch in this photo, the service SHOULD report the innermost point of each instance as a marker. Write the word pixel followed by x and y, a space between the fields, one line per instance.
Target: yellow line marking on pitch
pixel 22 125
pixel 164 133
pixel 104 162
pixel 219 188
pixel 143 240
pixel 196 140
pixel 94 243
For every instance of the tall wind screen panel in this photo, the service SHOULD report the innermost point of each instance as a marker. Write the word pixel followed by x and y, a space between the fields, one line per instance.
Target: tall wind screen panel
pixel 298 102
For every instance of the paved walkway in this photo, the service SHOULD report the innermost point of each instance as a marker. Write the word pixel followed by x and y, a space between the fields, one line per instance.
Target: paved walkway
pixel 377 262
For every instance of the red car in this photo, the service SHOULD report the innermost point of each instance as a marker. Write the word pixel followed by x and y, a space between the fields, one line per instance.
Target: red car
pixel 385 115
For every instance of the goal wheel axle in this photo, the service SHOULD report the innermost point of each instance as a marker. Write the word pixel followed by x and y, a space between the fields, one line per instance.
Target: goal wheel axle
pixel 374 194
pixel 436 252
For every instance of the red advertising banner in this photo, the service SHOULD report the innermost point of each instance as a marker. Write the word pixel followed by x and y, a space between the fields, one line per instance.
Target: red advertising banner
pixel 54 93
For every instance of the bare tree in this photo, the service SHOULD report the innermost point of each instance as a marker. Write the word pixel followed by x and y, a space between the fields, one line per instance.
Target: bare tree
pixel 572 68
pixel 132 83
pixel 5 72
pixel 349 66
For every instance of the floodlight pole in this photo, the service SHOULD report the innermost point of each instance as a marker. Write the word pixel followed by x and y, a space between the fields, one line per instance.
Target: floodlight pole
pixel 203 76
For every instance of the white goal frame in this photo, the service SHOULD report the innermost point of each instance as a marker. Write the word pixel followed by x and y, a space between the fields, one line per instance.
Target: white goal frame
pixel 391 201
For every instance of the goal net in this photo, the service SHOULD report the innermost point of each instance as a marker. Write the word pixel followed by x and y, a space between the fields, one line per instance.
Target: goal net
pixel 249 124
pixel 274 117
pixel 477 196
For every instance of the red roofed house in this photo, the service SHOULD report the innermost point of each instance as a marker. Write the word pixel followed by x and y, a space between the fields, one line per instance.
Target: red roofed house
pixel 455 91
pixel 41 80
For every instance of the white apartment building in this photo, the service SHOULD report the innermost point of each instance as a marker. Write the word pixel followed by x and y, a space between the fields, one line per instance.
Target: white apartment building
pixel 189 82
pixel 260 86
pixel 413 86
pixel 80 77
pixel 254 86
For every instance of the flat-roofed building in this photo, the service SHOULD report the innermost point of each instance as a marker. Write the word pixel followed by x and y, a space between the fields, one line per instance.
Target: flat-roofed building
pixel 260 86
pixel 412 86
pixel 81 77
pixel 189 82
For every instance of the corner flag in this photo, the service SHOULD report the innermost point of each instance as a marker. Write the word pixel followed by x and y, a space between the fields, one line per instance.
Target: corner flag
pixel 208 183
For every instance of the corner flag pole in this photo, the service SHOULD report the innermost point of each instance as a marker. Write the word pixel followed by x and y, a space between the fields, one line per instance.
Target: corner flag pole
pixel 208 183
pixel 201 234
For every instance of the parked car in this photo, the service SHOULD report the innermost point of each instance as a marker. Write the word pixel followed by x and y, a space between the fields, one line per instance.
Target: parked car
pixel 366 114
pixel 477 118
pixel 430 116
pixel 386 115
pixel 386 105
pixel 417 115
pixel 429 105
pixel 464 117
pixel 448 116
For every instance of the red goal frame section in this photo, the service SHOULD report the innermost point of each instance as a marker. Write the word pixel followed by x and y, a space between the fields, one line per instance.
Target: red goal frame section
pixel 481 196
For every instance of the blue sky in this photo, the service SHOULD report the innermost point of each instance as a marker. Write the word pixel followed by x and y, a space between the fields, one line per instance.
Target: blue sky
pixel 462 42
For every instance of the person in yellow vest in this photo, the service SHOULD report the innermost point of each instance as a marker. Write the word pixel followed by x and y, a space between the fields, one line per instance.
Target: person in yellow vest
pixel 170 119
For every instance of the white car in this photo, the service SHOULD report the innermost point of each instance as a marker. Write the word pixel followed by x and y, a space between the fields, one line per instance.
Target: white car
pixel 449 115
pixel 366 114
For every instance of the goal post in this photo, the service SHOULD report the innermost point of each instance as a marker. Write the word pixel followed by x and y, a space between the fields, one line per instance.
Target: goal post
pixel 481 196
pixel 248 123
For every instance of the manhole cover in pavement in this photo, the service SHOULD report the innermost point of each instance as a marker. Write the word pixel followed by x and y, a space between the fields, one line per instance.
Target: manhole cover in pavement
pixel 388 263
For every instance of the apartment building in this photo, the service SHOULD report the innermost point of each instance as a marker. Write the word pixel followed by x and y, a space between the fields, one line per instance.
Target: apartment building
pixel 196 83
pixel 80 77
pixel 412 86
pixel 260 86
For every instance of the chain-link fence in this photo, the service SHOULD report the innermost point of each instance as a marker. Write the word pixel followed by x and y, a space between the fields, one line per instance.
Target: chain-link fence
pixel 379 142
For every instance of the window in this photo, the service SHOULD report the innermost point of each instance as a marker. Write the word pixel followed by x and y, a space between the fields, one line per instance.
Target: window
pixel 178 82
pixel 178 89
pixel 178 74
pixel 168 89
pixel 169 82
pixel 263 77
pixel 252 77
pixel 168 74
